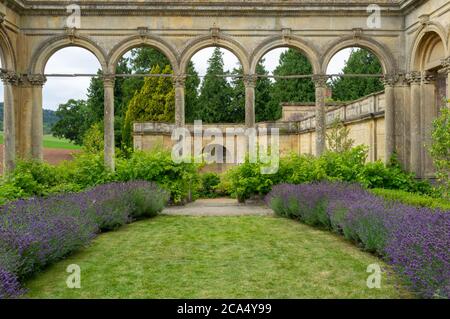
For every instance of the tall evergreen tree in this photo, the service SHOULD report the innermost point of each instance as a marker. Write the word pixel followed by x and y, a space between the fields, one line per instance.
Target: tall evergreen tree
pixel 191 93
pixel 361 61
pixel 262 96
pixel 215 92
pixel 155 102
pixel 292 62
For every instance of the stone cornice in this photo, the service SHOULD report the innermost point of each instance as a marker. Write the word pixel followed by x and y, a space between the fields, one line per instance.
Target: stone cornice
pixel 180 7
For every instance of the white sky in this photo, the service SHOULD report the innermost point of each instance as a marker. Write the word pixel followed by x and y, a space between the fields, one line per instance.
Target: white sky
pixel 77 60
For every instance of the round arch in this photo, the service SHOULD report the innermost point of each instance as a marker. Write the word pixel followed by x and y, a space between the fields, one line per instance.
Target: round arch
pixel 206 42
pixel 137 41
pixel 278 42
pixel 426 39
pixel 51 46
pixel 381 52
pixel 7 55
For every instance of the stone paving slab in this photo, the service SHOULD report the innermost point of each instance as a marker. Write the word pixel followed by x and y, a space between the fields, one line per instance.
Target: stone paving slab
pixel 218 207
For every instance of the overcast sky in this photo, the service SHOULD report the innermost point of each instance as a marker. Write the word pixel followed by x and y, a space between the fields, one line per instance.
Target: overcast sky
pixel 77 60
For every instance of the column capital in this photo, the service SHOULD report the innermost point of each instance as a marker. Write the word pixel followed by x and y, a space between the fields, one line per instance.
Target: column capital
pixel 414 77
pixel 10 77
pixel 446 64
pixel 390 79
pixel 108 79
pixel 320 80
pixel 179 80
pixel 428 77
pixel 35 79
pixel 250 80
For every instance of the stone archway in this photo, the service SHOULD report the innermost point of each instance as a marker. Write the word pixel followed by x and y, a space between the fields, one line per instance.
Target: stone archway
pixel 429 79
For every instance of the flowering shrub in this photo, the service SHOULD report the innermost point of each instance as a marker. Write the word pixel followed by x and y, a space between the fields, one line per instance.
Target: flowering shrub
pixel 414 240
pixel 39 231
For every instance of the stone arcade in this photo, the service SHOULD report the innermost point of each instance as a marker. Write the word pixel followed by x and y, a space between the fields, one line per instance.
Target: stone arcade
pixel 411 42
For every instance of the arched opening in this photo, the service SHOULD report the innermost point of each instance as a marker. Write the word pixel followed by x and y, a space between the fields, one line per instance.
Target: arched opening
pixel 214 91
pixel 284 89
pixel 354 61
pixel 427 60
pixel 143 91
pixel 66 114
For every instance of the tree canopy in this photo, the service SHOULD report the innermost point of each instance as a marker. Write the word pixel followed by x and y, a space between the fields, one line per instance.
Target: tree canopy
pixel 361 61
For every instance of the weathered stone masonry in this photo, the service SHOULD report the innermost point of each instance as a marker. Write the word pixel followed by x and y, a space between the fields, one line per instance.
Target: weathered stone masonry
pixel 412 44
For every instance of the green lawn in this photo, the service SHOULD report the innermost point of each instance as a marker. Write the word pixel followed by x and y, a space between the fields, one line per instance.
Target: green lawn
pixel 53 142
pixel 216 257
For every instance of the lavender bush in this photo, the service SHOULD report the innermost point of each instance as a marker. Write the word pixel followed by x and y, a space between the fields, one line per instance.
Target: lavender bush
pixel 39 231
pixel 414 240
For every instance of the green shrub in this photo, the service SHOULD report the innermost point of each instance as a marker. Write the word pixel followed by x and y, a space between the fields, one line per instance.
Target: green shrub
pixel 9 191
pixel 209 185
pixel 147 202
pixel 246 180
pixel 412 199
pixel 180 180
pixel 33 177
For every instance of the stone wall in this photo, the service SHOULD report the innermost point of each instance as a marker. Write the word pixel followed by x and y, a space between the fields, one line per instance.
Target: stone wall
pixel 364 118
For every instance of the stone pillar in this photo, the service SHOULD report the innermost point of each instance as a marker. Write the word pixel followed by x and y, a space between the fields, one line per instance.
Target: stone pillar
pixel 389 116
pixel 179 82
pixel 250 85
pixel 37 81
pixel 429 111
pixel 109 147
pixel 446 66
pixel 415 78
pixel 10 79
pixel 320 82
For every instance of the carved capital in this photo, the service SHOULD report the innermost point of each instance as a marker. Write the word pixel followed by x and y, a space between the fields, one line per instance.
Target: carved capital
pixel 179 80
pixel 390 79
pixel 320 80
pixel 414 77
pixel 36 79
pixel 2 18
pixel 250 80
pixel 446 64
pixel 428 77
pixel 108 79
pixel 10 77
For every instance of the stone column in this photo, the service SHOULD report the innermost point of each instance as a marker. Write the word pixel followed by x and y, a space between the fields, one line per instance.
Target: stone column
pixel 446 66
pixel 37 81
pixel 429 111
pixel 389 116
pixel 9 79
pixel 179 82
pixel 320 82
pixel 250 81
pixel 109 147
pixel 414 79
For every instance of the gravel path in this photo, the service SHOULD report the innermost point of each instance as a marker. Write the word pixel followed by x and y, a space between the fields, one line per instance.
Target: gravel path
pixel 219 207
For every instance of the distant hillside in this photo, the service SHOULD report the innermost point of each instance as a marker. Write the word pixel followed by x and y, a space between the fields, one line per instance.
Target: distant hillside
pixel 50 119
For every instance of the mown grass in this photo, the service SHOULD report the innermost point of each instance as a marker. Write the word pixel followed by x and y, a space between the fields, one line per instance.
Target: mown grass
pixel 216 257
pixel 53 142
